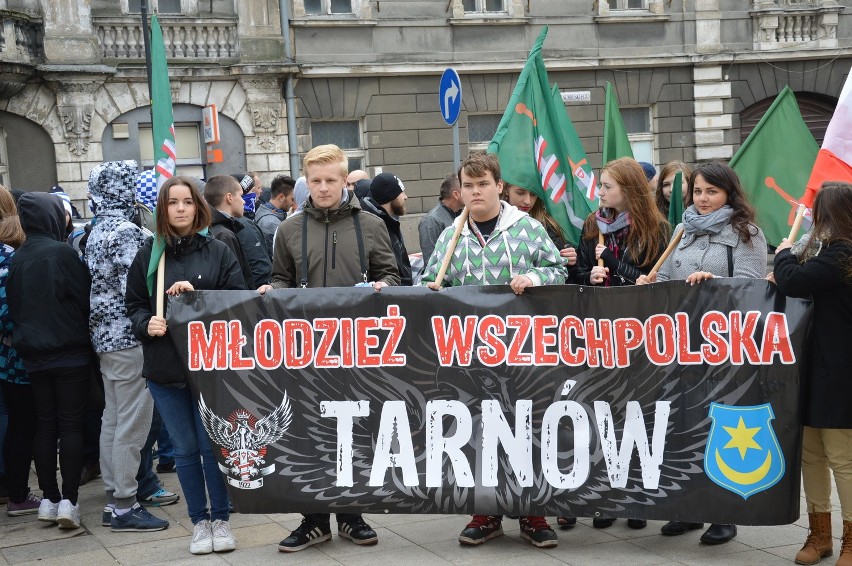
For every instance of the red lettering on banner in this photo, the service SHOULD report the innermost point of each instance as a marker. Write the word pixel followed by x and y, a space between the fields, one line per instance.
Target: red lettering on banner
pixel 364 342
pixel 712 323
pixel 453 342
pixel 659 331
pixel 522 324
pixel 236 342
pixel 299 343
pixel 684 355
pixel 268 350
pixel 323 357
pixel 347 352
pixel 571 357
pixel 627 337
pixel 599 339
pixel 396 325
pixel 776 339
pixel 543 339
pixel 207 354
pixel 491 327
pixel 742 337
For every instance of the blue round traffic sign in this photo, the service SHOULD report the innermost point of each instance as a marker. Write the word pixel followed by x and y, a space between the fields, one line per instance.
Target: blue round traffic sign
pixel 449 96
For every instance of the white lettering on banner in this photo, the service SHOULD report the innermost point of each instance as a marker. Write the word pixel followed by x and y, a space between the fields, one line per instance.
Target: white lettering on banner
pixel 618 460
pixel 394 425
pixel 518 446
pixel 395 430
pixel 345 412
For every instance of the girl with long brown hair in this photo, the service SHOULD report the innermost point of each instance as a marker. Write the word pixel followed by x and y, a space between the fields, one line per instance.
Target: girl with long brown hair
pixel 663 192
pixel 634 232
pixel 820 267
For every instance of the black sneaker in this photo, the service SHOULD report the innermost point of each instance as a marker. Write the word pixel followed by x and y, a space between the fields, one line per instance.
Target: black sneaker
pixel 307 534
pixel 538 532
pixel 357 531
pixel 482 528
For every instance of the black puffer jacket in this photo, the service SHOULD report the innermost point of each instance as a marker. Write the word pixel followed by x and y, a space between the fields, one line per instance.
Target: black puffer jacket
pixel 397 244
pixel 204 262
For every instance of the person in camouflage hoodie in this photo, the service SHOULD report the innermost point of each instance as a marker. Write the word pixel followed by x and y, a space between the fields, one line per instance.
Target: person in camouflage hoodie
pixel 110 250
pixel 499 245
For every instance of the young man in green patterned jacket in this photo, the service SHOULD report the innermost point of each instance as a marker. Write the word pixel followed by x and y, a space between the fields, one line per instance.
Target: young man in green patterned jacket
pixel 499 245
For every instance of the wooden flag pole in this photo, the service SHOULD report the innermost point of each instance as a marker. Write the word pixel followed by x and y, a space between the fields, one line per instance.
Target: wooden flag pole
pixel 675 241
pixel 797 223
pixel 601 242
pixel 452 246
pixel 161 283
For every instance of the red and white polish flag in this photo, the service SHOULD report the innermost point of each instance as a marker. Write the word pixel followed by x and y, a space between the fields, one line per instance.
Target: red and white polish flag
pixel 834 160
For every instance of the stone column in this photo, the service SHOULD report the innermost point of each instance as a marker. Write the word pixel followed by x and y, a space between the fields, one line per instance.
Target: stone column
pixel 259 28
pixel 68 34
pixel 711 121
pixel 266 150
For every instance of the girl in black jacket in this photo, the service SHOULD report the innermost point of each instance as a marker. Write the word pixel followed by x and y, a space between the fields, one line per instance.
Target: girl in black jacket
pixel 193 261
pixel 635 233
pixel 821 267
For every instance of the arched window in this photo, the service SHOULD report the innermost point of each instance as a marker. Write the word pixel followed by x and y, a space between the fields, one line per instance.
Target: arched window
pixel 816 110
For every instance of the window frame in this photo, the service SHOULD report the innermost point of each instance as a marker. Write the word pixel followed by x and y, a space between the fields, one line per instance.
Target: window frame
pixel 180 161
pixel 187 7
pixel 480 10
pixel 480 145
pixel 623 6
pixel 649 136
pixel 359 153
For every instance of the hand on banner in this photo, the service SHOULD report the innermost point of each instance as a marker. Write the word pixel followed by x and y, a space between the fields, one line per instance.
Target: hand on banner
pixel 179 287
pixel 519 283
pixel 433 285
pixel 647 279
pixel 598 274
pixel 156 326
pixel 570 254
pixel 771 277
pixel 377 285
pixel 785 244
pixel 599 249
pixel 698 277
pixel 263 289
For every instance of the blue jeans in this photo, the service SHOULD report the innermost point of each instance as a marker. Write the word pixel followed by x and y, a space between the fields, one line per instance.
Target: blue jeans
pixel 165 450
pixel 194 462
pixel 147 480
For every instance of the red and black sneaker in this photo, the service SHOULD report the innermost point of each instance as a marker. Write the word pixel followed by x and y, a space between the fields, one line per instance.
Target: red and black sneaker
pixel 481 529
pixel 538 532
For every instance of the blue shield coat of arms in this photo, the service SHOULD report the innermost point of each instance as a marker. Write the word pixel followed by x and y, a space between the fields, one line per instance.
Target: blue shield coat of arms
pixel 742 453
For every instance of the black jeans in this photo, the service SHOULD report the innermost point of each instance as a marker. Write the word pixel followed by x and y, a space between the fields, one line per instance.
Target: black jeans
pixel 61 395
pixel 18 447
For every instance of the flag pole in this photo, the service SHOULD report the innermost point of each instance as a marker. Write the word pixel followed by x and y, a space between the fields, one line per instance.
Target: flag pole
pixel 144 13
pixel 797 223
pixel 600 242
pixel 161 283
pixel 675 241
pixel 452 247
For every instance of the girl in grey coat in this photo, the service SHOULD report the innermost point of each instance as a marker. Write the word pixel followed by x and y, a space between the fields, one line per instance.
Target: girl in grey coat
pixel 720 240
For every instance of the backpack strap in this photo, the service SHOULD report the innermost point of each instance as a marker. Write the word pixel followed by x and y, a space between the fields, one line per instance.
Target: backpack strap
pixel 303 283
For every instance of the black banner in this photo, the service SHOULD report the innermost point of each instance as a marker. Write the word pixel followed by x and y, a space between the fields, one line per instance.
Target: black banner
pixel 660 402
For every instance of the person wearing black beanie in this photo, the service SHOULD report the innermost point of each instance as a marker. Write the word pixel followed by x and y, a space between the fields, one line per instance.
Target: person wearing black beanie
pixel 387 201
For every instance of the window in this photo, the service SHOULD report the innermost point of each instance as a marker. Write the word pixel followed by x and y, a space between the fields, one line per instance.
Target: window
pixel 481 129
pixel 345 134
pixel 327 7
pixel 628 4
pixel 483 6
pixel 637 122
pixel 159 6
pixel 190 160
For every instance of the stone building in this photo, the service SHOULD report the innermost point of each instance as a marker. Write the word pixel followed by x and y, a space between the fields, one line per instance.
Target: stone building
pixel 692 78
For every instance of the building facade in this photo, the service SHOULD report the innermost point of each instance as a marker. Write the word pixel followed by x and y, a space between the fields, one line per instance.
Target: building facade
pixel 692 78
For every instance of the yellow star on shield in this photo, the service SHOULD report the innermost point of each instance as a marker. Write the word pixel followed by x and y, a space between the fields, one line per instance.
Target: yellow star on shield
pixel 742 438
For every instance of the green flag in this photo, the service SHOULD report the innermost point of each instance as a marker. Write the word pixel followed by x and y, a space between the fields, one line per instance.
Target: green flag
pixel 615 142
pixel 531 145
pixel 774 164
pixel 163 127
pixel 676 201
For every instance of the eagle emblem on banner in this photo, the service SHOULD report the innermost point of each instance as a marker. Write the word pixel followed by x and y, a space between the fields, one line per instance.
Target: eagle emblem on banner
pixel 243 439
pixel 742 453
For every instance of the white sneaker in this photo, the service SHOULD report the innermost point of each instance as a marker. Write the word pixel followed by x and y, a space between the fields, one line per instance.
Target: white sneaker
pixel 223 538
pixel 202 538
pixel 47 510
pixel 68 516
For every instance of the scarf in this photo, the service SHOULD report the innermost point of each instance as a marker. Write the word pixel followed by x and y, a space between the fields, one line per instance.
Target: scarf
pixel 158 248
pixel 609 225
pixel 710 223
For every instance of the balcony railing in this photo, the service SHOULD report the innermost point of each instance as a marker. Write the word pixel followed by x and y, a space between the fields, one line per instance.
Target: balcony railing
pixel 21 38
pixel 211 39
pixel 790 23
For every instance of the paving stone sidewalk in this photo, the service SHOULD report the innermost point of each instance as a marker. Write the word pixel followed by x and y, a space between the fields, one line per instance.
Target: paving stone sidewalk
pixel 407 540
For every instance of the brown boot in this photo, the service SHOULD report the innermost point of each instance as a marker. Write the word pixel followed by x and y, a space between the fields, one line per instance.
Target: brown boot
pixel 846 546
pixel 818 544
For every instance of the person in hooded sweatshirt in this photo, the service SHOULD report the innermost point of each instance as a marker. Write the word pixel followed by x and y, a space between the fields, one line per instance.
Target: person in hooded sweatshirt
pixel 48 297
pixel 113 243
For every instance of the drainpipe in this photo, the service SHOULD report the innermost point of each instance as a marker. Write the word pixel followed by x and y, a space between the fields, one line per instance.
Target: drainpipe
pixel 289 97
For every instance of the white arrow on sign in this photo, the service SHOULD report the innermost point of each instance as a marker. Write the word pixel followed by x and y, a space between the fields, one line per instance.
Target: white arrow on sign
pixel 450 93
